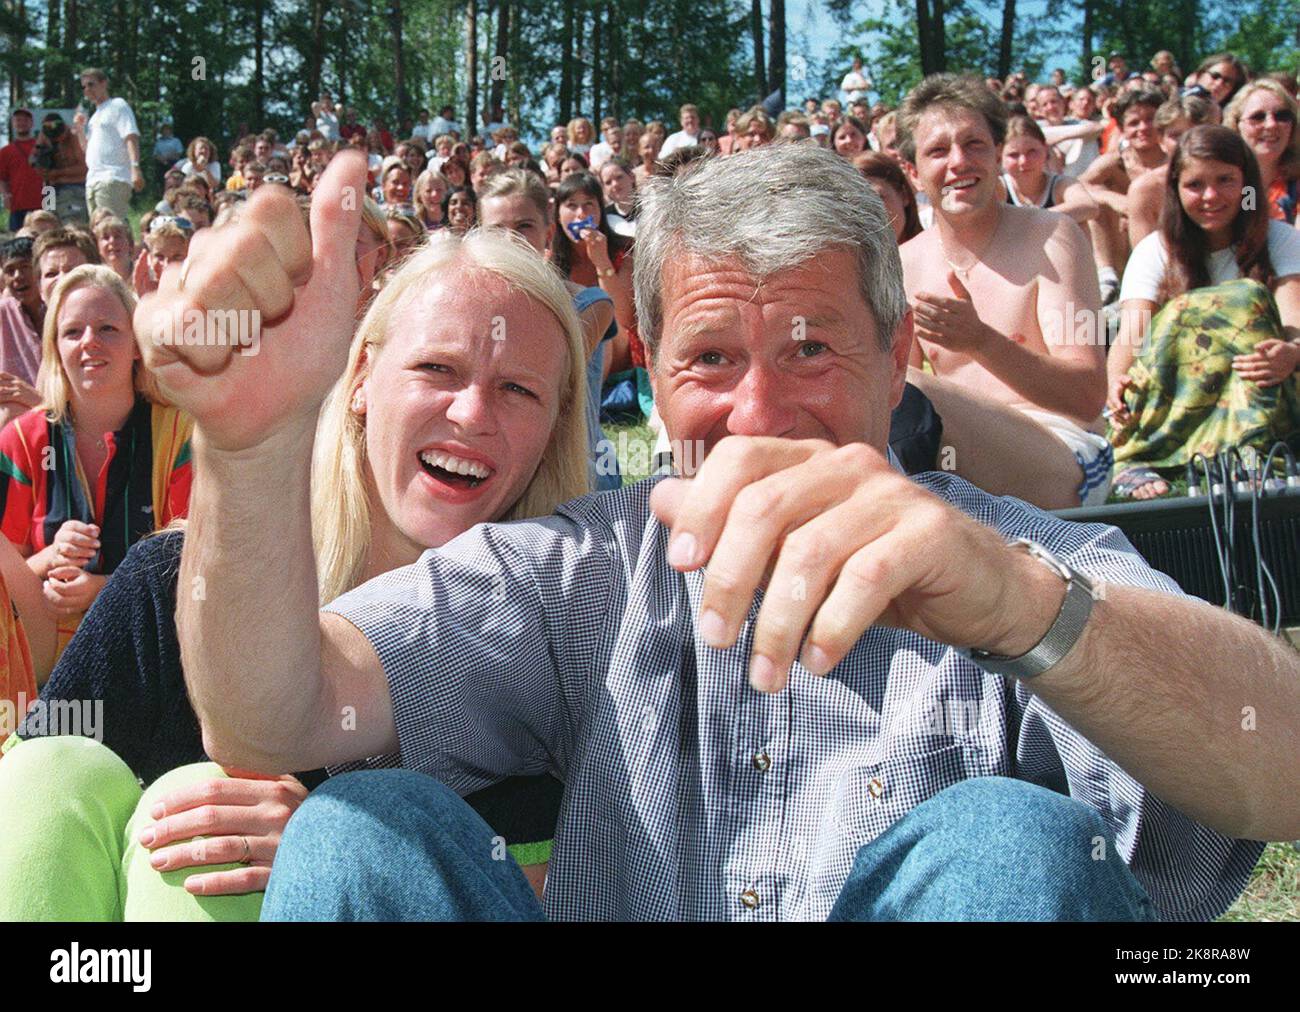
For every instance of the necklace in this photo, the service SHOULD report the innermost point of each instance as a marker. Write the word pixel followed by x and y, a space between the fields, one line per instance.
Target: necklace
pixel 964 272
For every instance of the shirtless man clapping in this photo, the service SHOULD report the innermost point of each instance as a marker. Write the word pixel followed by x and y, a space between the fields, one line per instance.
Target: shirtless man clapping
pixel 1007 313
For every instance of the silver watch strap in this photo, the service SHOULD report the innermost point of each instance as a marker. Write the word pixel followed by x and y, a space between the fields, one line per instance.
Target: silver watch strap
pixel 1064 631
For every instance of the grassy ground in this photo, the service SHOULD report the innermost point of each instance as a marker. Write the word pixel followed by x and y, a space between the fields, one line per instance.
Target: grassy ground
pixel 1274 890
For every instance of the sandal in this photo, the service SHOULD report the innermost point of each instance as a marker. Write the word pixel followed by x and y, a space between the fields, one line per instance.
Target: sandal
pixel 1130 482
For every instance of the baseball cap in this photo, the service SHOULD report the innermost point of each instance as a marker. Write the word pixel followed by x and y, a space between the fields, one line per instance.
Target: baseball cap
pixel 818 129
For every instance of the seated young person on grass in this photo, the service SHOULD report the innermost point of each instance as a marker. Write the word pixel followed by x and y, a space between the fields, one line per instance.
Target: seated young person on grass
pixel 997 291
pixel 1146 195
pixel 1205 361
pixel 1108 180
pixel 102 463
pixel 590 643
pixel 434 427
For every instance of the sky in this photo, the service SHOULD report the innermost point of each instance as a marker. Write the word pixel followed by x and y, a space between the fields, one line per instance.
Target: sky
pixel 808 19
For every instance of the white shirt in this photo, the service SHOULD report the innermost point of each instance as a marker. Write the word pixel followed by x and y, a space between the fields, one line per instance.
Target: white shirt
pixel 328 124
pixel 424 131
pixel 599 155
pixel 855 85
pixel 441 126
pixel 107 158
pixel 1146 265
pixel 681 139
pixel 1076 154
pixel 188 168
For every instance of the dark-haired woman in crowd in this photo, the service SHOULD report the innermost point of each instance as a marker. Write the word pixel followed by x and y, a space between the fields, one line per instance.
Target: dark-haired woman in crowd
pixel 597 257
pixel 460 209
pixel 1212 299
pixel 574 164
pixel 1221 76
pixel 619 184
pixel 849 138
pixel 456 168
pixel 887 179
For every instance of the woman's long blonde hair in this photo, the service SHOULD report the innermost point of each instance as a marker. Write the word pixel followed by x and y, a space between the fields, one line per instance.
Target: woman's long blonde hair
pixel 51 379
pixel 341 498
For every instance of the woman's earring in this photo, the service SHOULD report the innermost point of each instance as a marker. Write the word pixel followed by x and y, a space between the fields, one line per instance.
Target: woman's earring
pixel 358 402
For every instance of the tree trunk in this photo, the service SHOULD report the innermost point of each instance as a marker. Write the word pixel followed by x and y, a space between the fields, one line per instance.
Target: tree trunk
pixel 756 30
pixel 1008 32
pixel 343 59
pixel 579 59
pixel 471 68
pixel 596 82
pixel 17 40
pixel 924 36
pixel 776 51
pixel 70 42
pixel 316 57
pixel 616 64
pixel 1087 37
pixel 485 47
pixel 50 90
pixel 396 19
pixel 566 64
pixel 259 63
pixel 940 42
pixel 502 51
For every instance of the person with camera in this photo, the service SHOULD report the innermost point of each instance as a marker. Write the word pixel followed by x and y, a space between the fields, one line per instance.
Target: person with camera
pixel 60 160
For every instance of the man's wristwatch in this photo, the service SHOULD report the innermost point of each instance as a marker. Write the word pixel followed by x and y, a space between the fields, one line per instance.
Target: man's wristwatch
pixel 1062 635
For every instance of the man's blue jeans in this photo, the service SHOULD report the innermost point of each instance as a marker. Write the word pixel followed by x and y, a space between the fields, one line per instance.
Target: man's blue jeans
pixel 392 845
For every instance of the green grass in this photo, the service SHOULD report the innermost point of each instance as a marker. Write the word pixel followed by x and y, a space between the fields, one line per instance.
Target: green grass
pixel 638 435
pixel 1273 893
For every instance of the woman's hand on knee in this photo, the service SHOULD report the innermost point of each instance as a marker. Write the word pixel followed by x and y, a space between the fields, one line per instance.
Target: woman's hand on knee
pixel 236 820
pixel 1271 362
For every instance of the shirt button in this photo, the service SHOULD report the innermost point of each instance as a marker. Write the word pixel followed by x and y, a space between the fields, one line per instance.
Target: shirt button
pixel 762 762
pixel 876 788
pixel 749 899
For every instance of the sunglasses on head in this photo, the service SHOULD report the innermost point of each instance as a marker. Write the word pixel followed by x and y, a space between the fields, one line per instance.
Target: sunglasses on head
pixel 1281 116
pixel 163 220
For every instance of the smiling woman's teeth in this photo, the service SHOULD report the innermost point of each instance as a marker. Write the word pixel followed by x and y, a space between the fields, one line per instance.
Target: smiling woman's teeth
pixel 456 465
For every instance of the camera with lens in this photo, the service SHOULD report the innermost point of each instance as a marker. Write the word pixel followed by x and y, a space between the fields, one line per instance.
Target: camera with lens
pixel 43 157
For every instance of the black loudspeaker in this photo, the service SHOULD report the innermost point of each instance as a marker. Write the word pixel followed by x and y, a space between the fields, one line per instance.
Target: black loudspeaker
pixel 1177 537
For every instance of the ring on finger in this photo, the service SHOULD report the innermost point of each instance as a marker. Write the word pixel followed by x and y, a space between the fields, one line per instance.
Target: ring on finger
pixel 248 851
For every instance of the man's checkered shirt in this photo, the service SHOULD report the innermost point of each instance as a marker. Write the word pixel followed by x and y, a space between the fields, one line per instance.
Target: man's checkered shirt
pixel 568 644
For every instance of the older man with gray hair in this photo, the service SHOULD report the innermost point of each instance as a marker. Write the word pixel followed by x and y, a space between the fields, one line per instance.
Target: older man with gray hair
pixel 883 698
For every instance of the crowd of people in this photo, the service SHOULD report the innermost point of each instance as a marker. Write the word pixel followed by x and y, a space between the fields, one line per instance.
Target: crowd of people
pixel 1067 292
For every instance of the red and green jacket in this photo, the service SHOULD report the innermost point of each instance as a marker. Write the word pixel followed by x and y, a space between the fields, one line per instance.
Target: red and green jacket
pixel 143 485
